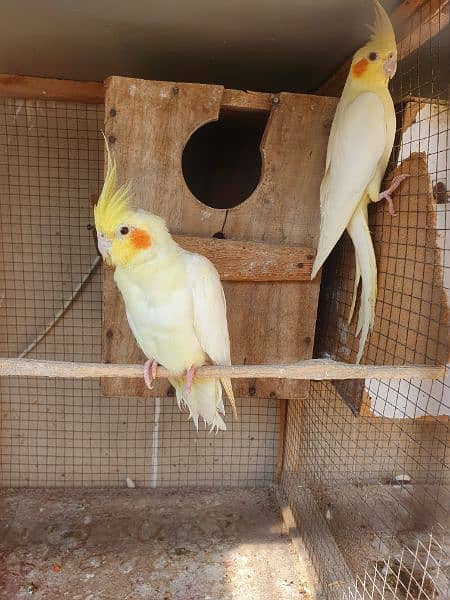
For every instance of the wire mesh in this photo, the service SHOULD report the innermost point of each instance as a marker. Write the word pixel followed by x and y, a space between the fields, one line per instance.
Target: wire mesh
pixel 63 432
pixel 366 469
pixel 366 465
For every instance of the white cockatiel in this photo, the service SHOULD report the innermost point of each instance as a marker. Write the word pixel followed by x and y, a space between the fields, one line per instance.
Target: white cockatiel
pixel 174 300
pixel 359 147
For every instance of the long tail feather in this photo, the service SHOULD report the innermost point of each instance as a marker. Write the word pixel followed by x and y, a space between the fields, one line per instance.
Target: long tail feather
pixel 355 291
pixel 365 257
pixel 204 400
pixel 226 383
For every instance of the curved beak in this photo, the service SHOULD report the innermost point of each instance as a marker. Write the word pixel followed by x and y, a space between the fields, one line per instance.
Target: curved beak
pixel 390 66
pixel 104 246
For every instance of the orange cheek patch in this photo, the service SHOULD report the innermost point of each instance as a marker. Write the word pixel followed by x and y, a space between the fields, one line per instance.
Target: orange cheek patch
pixel 140 239
pixel 360 67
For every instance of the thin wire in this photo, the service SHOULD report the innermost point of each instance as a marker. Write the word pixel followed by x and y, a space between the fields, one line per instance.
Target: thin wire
pixel 61 312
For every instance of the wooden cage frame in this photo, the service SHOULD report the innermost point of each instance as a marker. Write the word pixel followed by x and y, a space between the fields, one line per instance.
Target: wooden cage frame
pixel 314 369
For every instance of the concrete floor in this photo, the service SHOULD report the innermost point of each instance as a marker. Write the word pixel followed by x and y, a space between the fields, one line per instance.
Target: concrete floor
pixel 140 544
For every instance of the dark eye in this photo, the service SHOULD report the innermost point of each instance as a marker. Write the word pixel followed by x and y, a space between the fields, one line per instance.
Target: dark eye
pixel 373 56
pixel 124 230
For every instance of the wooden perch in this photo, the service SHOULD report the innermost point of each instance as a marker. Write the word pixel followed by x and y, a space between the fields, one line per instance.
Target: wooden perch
pixel 317 369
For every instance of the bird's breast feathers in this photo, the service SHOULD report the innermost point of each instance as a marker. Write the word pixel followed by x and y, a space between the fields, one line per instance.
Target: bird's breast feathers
pixel 160 315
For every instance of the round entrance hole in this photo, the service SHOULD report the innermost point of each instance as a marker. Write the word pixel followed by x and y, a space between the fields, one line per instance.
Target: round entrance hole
pixel 222 160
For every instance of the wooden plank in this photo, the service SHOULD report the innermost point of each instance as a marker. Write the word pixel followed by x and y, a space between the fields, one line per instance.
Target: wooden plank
pixel 411 313
pixel 426 24
pixel 18 86
pixel 404 11
pixel 316 369
pixel 149 123
pixel 252 261
pixel 235 100
pixel 283 408
pixel 313 589
pixel 415 22
pixel 283 209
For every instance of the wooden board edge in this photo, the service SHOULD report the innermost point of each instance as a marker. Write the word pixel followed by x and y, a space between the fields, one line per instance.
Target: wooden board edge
pixel 237 260
pixel 283 408
pixel 291 529
pixel 247 101
pixel 24 86
pixel 19 86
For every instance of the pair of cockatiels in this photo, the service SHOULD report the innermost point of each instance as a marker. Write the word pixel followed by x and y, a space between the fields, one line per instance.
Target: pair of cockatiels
pixel 174 299
pixel 359 147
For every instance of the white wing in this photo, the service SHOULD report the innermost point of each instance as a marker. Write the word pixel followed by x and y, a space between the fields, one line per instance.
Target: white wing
pixel 355 148
pixel 210 313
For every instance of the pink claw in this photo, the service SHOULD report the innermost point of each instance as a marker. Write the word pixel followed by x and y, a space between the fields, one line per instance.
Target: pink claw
pixel 150 372
pixel 386 195
pixel 189 377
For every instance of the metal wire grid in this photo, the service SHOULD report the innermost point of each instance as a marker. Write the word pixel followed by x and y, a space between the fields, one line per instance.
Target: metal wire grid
pixel 63 432
pixel 368 480
pixel 424 76
pixel 415 575
pixel 340 479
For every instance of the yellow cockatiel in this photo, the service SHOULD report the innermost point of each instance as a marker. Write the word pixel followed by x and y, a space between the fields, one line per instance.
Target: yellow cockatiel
pixel 359 147
pixel 174 300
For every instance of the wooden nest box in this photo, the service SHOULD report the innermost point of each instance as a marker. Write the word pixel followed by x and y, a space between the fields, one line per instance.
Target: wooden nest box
pixel 269 240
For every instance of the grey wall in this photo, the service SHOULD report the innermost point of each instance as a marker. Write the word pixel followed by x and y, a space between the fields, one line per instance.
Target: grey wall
pixel 268 45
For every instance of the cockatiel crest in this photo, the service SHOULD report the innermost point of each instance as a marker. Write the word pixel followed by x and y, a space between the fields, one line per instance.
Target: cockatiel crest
pixel 174 300
pixel 113 205
pixel 376 60
pixel 383 36
pixel 125 234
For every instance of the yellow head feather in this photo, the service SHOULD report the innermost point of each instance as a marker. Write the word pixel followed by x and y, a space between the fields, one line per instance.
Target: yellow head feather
pixel 383 36
pixel 113 206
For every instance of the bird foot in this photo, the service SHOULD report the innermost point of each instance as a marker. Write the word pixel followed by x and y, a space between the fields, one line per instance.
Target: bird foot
pixel 189 377
pixel 387 194
pixel 150 372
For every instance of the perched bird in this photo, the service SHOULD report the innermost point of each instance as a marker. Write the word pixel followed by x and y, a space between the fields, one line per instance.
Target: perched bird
pixel 359 147
pixel 174 300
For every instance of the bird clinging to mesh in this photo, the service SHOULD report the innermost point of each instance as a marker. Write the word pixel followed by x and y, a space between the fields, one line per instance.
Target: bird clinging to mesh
pixel 359 147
